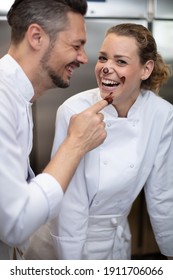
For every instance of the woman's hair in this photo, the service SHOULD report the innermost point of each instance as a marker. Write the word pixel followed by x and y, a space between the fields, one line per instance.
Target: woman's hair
pixel 147 51
pixel 51 15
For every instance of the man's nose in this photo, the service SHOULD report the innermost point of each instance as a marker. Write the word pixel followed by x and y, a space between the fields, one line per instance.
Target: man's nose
pixel 82 57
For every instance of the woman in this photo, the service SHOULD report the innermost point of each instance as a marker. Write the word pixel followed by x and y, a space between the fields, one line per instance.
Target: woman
pixel 137 153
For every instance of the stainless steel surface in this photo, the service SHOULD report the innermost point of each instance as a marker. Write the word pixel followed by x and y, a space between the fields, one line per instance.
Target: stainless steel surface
pixel 5 6
pixel 4 36
pixel 163 9
pixel 118 9
pixel 163 34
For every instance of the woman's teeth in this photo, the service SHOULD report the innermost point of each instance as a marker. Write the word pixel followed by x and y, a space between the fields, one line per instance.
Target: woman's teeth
pixel 109 83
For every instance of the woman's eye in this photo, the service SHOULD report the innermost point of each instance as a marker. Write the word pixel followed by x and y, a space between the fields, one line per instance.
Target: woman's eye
pixel 121 62
pixel 102 58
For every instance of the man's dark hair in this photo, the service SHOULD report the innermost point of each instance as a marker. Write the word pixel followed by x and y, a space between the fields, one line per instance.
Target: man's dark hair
pixel 51 15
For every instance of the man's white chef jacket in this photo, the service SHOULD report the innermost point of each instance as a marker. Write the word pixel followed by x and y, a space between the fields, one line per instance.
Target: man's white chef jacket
pixel 26 202
pixel 138 151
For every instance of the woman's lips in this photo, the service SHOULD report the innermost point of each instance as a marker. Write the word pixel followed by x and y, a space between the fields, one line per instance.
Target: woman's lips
pixel 109 98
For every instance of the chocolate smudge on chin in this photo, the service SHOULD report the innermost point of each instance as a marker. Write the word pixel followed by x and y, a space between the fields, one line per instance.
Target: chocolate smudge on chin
pixel 109 98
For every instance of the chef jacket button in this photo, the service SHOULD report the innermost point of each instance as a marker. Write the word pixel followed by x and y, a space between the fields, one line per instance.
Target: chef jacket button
pixel 114 221
pixel 105 162
pixel 131 165
pixel 96 202
pixel 108 124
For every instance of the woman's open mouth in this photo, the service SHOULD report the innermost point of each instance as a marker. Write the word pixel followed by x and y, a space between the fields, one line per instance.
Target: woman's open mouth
pixel 109 84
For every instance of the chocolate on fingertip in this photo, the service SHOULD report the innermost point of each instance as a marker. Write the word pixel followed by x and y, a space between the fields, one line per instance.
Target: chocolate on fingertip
pixel 109 98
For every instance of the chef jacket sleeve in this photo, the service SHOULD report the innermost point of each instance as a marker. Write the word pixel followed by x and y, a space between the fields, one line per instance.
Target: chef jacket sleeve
pixel 159 191
pixel 24 205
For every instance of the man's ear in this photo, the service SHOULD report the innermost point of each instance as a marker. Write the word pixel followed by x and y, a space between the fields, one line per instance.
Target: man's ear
pixel 147 70
pixel 36 36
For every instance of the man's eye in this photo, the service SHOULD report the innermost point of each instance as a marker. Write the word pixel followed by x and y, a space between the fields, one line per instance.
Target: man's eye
pixel 76 47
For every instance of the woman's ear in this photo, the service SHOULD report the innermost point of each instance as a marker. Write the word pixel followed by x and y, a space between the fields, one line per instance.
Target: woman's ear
pixel 147 69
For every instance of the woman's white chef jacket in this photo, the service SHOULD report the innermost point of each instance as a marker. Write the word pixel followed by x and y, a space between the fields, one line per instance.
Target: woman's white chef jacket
pixel 138 151
pixel 26 202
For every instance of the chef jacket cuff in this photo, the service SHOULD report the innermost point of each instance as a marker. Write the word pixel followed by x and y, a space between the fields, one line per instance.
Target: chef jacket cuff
pixel 53 192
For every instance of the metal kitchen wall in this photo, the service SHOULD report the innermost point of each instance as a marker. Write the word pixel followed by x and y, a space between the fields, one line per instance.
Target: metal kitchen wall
pixel 162 29
pixel 157 15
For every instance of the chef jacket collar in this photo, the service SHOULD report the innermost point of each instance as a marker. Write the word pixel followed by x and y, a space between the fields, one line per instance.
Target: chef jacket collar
pixel 134 110
pixel 19 78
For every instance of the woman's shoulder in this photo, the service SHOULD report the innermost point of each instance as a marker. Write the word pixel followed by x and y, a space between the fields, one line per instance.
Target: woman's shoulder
pixel 158 102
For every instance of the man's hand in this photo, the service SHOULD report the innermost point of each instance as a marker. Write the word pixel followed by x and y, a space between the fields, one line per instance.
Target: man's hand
pixel 88 128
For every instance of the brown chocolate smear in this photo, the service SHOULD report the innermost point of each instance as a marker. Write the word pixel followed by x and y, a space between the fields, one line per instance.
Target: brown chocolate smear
pixel 109 98
pixel 122 79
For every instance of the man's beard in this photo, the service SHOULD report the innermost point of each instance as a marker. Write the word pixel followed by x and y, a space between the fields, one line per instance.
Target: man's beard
pixel 57 80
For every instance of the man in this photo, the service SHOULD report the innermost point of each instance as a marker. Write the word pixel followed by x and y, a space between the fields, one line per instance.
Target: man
pixel 47 44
